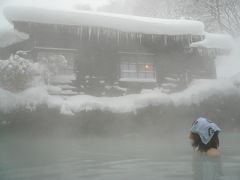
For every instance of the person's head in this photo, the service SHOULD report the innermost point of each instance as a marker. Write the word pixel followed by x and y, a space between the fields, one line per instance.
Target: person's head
pixel 204 135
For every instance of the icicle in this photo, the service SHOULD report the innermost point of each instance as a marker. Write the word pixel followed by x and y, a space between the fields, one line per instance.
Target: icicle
pixel 78 32
pixel 212 52
pixel 127 37
pixel 74 30
pixel 61 26
pixel 89 33
pixel 118 37
pixel 29 26
pixel 81 32
pixel 132 36
pixel 56 28
pixel 177 39
pixel 191 39
pixel 69 30
pixel 165 40
pixel 109 33
pixel 182 38
pixel 105 32
pixel 98 34
pixel 152 37
pixel 140 38
pixel 200 51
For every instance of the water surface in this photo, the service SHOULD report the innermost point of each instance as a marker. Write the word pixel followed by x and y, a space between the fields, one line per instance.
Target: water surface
pixel 130 157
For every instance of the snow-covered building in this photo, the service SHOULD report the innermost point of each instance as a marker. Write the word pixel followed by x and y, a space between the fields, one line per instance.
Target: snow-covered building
pixel 112 51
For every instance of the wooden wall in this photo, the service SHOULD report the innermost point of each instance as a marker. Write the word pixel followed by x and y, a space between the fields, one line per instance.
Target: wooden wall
pixel 97 51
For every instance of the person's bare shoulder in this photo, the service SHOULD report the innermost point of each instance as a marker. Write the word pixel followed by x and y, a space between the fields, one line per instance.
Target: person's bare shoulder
pixel 213 152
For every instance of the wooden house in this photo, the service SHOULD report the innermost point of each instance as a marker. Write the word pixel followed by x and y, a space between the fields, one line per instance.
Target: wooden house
pixel 112 54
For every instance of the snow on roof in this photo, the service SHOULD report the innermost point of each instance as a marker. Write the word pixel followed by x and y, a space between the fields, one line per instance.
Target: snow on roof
pixel 215 41
pixel 125 23
pixel 8 35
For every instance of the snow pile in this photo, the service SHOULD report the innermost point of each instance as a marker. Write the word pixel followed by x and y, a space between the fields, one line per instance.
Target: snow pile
pixel 125 104
pixel 8 101
pixel 198 92
pixel 28 99
pixel 32 98
pixel 201 90
pixel 215 41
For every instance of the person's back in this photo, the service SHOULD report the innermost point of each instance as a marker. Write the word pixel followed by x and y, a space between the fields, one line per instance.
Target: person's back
pixel 206 158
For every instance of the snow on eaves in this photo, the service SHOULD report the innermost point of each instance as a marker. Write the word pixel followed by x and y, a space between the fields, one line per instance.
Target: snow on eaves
pixel 8 35
pixel 215 41
pixel 125 23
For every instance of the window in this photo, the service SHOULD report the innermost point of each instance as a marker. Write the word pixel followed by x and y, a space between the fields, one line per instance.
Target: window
pixel 137 71
pixel 57 63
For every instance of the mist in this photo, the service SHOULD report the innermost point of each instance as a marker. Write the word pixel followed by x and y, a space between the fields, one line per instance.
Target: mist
pixel 110 89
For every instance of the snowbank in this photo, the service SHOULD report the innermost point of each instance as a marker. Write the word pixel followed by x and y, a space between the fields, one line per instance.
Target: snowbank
pixel 201 90
pixel 125 104
pixel 28 99
pixel 198 92
pixel 215 41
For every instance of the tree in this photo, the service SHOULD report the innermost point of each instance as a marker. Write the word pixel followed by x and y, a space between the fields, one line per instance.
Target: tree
pixel 218 15
pixel 15 73
pixel 226 14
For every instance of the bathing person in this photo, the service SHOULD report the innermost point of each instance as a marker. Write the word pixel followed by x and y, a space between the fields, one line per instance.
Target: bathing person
pixel 205 142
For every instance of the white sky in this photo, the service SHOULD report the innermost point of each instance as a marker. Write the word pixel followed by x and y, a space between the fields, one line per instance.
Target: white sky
pixel 66 4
